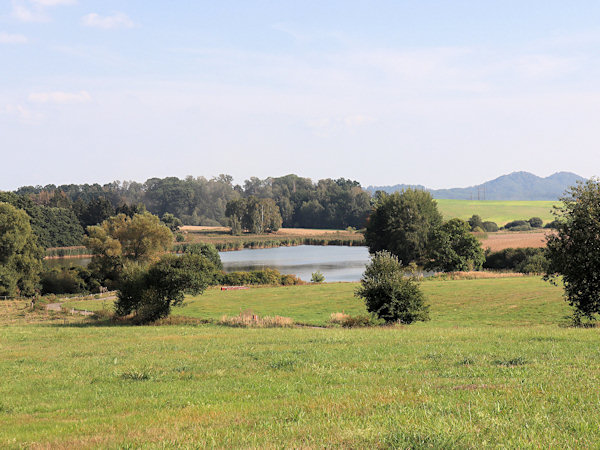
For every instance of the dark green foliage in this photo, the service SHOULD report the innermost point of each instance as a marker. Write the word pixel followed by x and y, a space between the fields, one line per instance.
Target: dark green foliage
pixel 402 223
pixel 53 226
pixel 171 221
pixel 536 222
pixel 151 292
pixel 389 294
pixel 553 225
pixel 71 280
pixel 93 212
pixel 574 251
pixel 475 221
pixel 453 248
pixel 490 227
pixel 197 201
pixel 518 225
pixel 20 256
pixel 524 260
pixel 253 214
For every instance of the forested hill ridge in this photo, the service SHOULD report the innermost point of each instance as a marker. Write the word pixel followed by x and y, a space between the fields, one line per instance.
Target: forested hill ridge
pixel 514 186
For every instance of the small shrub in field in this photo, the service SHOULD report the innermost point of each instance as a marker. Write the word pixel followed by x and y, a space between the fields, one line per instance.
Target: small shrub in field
pixel 317 277
pixel 248 320
pixel 490 227
pixel 388 293
pixel 536 222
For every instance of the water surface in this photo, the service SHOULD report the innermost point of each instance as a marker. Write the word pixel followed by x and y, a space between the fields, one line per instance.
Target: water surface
pixel 337 263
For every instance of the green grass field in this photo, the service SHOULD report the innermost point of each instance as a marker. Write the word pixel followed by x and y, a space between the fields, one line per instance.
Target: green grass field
pixel 500 212
pixel 492 368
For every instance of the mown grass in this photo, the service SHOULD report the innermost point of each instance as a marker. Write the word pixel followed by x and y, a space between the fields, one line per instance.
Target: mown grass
pixel 492 368
pixel 500 212
pixel 498 301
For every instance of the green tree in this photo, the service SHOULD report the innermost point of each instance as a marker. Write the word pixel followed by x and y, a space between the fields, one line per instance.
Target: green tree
pixel 20 255
pixel 453 248
pixel 389 293
pixel 119 239
pixel 261 215
pixel 235 211
pixel 573 251
pixel 402 223
pixel 475 221
pixel 171 221
pixel 151 292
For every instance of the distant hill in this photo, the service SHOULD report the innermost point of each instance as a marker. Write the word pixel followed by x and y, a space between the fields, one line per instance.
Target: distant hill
pixel 515 186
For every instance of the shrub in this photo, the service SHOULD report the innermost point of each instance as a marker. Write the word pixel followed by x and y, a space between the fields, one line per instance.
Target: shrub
pixel 535 222
pixel 475 222
pixel 553 225
pixel 151 292
pixel 317 277
pixel 490 227
pixel 388 293
pixel 525 260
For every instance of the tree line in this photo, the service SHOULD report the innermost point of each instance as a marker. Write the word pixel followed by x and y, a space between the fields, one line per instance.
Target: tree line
pixel 60 214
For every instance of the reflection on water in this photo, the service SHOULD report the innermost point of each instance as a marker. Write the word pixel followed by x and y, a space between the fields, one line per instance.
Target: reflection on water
pixel 337 263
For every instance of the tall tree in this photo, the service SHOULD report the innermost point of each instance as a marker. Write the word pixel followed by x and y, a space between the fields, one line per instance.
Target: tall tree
pixel 20 255
pixel 402 223
pixel 574 250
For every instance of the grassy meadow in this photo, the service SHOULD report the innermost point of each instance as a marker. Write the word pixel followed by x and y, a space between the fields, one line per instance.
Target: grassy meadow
pixel 492 368
pixel 500 212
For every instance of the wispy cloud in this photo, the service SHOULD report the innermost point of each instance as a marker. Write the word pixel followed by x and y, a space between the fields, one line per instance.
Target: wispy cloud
pixel 35 10
pixel 116 20
pixel 22 113
pixel 6 38
pixel 60 97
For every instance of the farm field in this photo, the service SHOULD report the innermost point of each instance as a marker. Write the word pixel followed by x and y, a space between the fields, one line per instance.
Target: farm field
pixel 492 368
pixel 500 212
pixel 514 239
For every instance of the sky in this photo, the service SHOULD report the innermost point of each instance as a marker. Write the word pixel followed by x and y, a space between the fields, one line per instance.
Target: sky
pixel 439 93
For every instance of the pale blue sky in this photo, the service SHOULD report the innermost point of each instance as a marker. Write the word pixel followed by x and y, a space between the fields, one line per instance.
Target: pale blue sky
pixel 443 93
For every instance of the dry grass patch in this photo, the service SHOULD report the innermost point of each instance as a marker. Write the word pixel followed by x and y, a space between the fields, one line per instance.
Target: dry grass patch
pixel 250 320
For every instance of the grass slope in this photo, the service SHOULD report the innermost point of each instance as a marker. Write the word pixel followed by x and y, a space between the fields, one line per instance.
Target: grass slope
pixel 500 212
pixel 499 301
pixel 491 368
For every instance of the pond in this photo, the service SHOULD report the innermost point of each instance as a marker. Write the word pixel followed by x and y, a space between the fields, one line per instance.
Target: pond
pixel 337 263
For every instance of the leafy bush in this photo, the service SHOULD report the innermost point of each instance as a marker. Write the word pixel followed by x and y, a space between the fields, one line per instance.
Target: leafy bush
pixel 536 222
pixel 475 222
pixel 388 293
pixel 454 248
pixel 151 292
pixel 553 225
pixel 524 260
pixel 490 227
pixel 317 277
pixel 258 277
pixel 518 225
